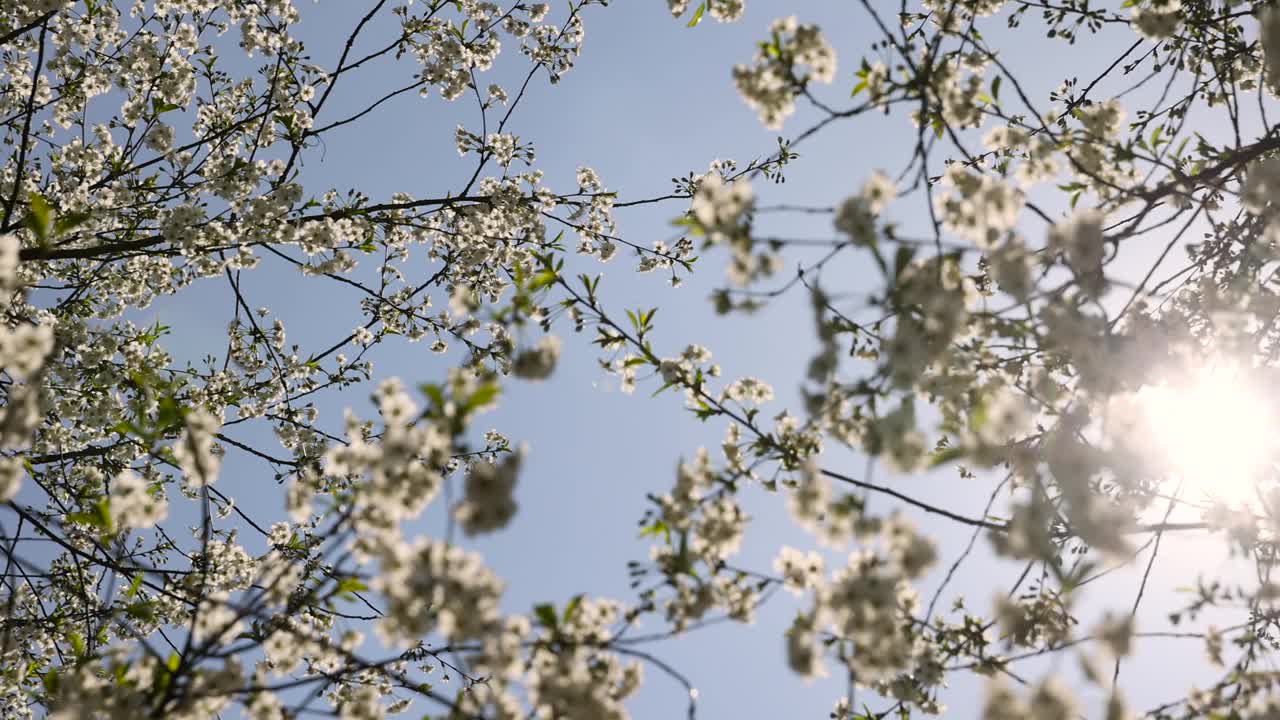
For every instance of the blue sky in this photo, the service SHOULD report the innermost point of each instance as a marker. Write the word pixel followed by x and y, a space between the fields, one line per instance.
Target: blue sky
pixel 649 100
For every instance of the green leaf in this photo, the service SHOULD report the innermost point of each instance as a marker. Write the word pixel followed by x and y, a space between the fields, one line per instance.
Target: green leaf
pixel 571 608
pixel 154 333
pixel 1181 146
pixel 68 222
pixel 39 217
pixel 902 259
pixel 98 516
pixel 127 427
pixel 542 279
pixel 661 390
pixel 657 528
pixel 546 615
pixel 134 586
pixel 483 395
pixel 858 88
pixel 77 643
pixel 50 681
pixel 351 585
pixel 433 393
pixel 159 107
pixel 697 15
pixel 144 611
pixel 684 562
pixel 169 414
pixel 944 456
pixel 103 510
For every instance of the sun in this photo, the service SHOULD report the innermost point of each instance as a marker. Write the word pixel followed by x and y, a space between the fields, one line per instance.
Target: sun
pixel 1214 429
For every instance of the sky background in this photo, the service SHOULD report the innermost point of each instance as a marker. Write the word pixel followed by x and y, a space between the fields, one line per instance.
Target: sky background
pixel 651 100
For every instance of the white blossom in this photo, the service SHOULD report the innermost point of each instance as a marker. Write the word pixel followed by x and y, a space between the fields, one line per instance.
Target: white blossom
pixel 133 504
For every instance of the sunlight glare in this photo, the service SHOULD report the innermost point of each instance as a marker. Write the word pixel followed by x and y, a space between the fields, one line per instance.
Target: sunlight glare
pixel 1215 431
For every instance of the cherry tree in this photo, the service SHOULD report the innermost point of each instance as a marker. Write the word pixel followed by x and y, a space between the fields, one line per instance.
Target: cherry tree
pixel 1074 296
